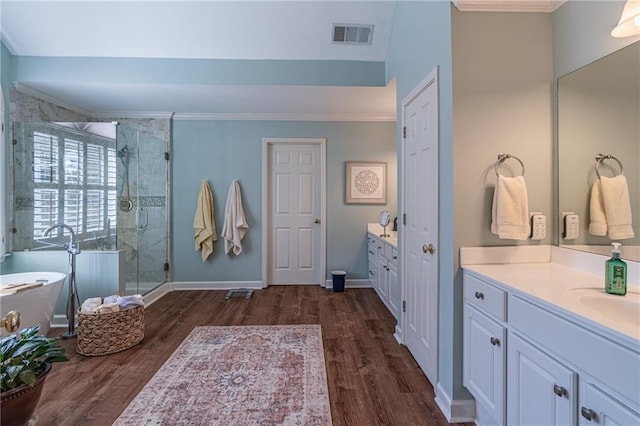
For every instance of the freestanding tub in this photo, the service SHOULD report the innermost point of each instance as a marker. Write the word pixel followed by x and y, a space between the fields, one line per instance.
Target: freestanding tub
pixel 36 304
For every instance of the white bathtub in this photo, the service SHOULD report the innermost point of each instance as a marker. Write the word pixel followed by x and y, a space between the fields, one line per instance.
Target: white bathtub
pixel 35 305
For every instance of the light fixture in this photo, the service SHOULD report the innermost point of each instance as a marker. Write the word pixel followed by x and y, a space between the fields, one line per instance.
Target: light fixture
pixel 629 24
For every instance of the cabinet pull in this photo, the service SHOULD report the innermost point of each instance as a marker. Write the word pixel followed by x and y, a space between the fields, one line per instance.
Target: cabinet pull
pixel 588 413
pixel 479 295
pixel 495 341
pixel 371 273
pixel 395 257
pixel 371 252
pixel 560 391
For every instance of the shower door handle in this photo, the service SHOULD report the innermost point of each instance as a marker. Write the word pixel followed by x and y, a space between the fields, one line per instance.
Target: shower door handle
pixel 139 222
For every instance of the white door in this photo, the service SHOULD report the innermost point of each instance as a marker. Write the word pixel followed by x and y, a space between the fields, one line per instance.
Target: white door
pixel 295 225
pixel 420 230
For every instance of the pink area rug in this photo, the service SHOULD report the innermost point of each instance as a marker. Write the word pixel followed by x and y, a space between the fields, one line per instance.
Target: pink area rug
pixel 238 375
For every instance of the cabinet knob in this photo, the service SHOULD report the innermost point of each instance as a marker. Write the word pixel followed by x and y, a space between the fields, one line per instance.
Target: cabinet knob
pixel 479 295
pixel 560 391
pixel 588 413
pixel 495 341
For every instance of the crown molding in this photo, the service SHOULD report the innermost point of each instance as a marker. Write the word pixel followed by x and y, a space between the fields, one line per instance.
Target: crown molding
pixel 28 90
pixel 134 114
pixel 283 117
pixel 540 6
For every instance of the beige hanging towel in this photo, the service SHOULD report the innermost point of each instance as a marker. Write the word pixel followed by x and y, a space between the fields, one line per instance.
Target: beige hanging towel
pixel 203 222
pixel 617 207
pixel 510 210
pixel 235 224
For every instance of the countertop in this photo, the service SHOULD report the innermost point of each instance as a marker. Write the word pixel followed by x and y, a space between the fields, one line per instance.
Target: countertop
pixel 377 230
pixel 558 285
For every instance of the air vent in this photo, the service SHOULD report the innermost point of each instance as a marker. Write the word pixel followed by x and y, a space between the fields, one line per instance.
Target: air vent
pixel 352 34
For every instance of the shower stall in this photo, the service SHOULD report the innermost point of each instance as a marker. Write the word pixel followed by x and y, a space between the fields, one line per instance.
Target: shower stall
pixel 107 181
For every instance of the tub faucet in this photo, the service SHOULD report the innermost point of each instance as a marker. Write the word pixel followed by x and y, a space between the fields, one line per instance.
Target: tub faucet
pixel 73 249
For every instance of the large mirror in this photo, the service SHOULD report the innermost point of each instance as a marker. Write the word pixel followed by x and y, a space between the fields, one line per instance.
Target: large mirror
pixel 599 113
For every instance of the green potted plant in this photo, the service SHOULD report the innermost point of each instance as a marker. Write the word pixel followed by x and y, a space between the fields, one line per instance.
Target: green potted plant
pixel 25 361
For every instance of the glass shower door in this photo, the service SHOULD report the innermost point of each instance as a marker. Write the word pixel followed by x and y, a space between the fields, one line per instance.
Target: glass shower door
pixel 143 216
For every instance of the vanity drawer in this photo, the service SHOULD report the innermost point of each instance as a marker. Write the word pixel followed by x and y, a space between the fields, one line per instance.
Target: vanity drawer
pixel 372 246
pixel 485 296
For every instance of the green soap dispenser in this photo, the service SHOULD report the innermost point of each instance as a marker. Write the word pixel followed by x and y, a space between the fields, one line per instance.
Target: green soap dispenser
pixel 615 273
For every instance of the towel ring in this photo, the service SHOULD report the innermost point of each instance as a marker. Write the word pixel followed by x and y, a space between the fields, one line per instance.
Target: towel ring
pixel 601 157
pixel 502 157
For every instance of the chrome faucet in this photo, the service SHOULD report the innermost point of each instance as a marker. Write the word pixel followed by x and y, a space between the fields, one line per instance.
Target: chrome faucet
pixel 73 249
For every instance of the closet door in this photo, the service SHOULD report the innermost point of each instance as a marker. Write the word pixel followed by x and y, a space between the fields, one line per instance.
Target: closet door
pixel 295 208
pixel 420 230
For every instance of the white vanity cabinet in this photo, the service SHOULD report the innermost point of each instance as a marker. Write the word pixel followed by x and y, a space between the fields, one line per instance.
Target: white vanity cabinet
pixel 542 391
pixel 372 256
pixel 383 272
pixel 559 369
pixel 484 357
pixel 597 408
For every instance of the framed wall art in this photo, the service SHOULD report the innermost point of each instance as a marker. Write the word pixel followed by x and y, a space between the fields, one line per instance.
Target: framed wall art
pixel 366 182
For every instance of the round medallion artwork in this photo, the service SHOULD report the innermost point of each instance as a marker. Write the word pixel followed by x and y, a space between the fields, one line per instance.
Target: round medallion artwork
pixel 367 182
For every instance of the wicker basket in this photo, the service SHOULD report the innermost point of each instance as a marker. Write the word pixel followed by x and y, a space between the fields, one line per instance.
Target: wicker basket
pixel 108 333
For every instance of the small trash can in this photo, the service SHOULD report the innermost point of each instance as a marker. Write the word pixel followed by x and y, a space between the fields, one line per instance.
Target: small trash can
pixel 338 280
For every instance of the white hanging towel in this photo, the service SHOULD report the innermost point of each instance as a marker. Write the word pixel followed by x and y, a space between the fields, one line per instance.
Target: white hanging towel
pixel 203 222
pixel 510 210
pixel 617 207
pixel 235 224
pixel 597 217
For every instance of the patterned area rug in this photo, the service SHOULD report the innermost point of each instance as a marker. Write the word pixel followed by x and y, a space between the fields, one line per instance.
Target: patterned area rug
pixel 238 375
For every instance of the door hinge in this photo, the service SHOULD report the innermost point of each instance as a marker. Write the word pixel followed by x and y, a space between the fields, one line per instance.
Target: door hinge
pixel 166 266
pixel 404 306
pixel 404 132
pixel 404 218
pixel 166 156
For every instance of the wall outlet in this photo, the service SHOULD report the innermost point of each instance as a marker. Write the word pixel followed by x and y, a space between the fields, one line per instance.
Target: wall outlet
pixel 571 222
pixel 538 226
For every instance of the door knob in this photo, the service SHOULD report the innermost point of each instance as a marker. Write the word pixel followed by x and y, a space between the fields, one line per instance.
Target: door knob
pixel 429 248
pixel 317 220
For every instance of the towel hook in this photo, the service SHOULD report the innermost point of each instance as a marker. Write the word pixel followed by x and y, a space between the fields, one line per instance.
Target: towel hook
pixel 504 156
pixel 601 157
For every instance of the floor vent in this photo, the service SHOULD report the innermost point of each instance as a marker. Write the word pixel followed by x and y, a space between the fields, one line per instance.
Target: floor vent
pixel 351 34
pixel 238 292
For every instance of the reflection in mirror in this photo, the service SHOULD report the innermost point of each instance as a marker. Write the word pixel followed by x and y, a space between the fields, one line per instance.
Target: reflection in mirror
pixel 384 220
pixel 598 110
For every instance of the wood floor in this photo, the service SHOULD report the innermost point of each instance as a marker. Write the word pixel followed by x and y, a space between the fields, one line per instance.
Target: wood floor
pixel 372 379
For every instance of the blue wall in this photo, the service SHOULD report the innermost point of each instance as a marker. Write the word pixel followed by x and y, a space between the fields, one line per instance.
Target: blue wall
pixel 221 151
pixel 199 71
pixel 421 40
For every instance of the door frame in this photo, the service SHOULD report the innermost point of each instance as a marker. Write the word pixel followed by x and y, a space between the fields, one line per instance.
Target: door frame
pixel 430 79
pixel 267 144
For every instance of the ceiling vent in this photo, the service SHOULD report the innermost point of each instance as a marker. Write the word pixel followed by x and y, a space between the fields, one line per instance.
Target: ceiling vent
pixel 351 34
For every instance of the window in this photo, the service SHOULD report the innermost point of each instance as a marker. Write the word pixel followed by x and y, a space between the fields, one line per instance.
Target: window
pixel 74 183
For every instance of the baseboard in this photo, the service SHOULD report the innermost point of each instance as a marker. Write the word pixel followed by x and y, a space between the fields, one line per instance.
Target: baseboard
pixel 359 283
pixel 157 293
pixel 455 411
pixel 216 285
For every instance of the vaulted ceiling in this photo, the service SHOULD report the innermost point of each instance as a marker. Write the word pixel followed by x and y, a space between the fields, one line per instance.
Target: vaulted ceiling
pixel 205 30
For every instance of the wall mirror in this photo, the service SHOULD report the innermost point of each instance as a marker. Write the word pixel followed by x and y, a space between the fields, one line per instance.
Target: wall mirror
pixel 598 113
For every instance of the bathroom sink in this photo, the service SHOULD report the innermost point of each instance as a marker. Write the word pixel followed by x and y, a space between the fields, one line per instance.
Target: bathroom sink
pixel 622 309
